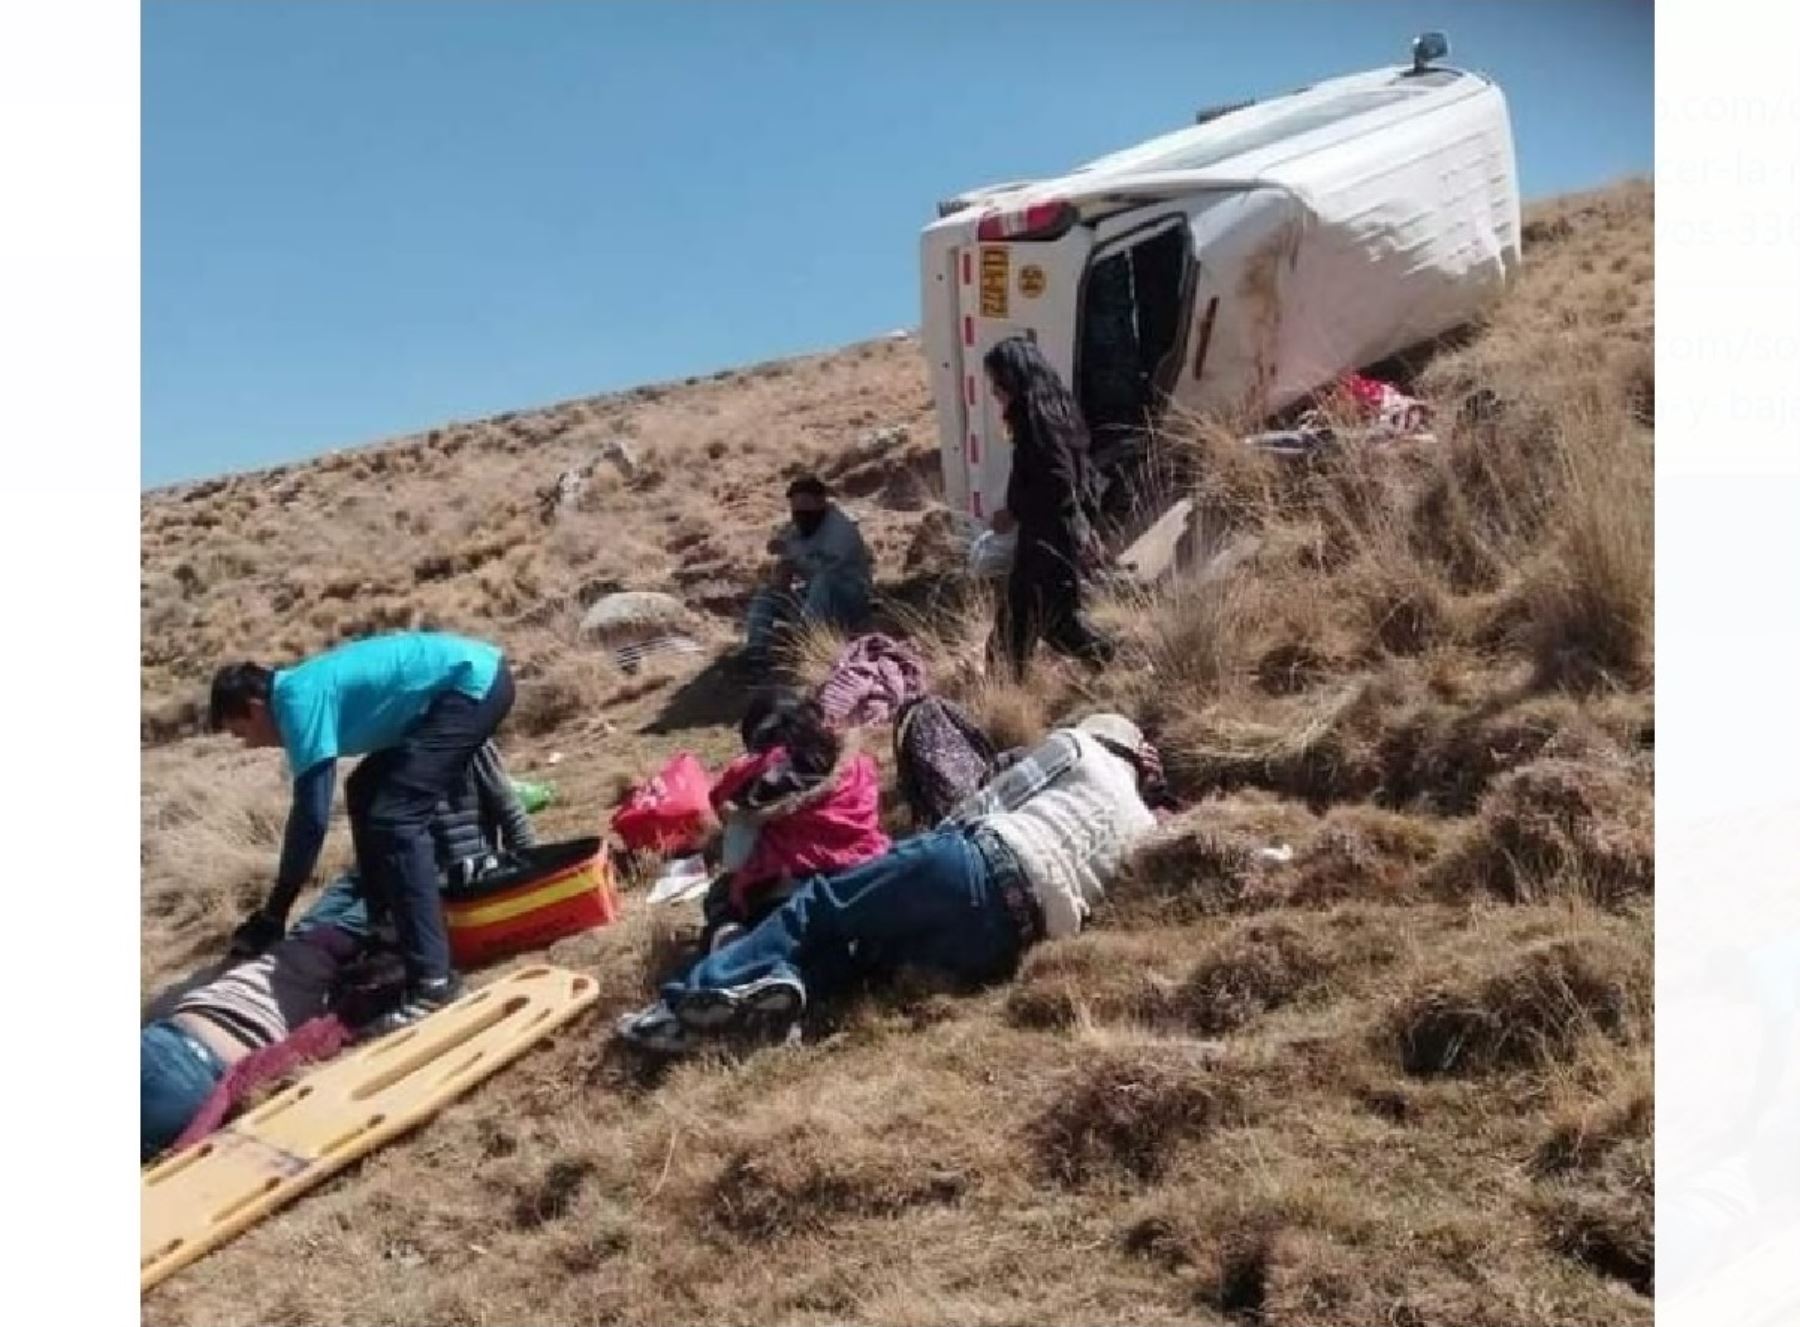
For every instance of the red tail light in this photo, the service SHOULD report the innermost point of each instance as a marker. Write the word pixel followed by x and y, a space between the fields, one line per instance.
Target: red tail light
pixel 1040 221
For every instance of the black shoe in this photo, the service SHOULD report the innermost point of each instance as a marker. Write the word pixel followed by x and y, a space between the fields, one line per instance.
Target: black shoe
pixel 424 999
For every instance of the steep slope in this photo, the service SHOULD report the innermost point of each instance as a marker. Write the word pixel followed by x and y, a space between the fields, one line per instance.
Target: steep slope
pixel 1403 1076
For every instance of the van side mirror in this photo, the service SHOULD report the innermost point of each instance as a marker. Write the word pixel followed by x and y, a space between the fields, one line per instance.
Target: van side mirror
pixel 1428 46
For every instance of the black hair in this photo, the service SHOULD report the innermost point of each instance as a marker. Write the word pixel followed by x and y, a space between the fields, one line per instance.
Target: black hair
pixel 809 486
pixel 233 688
pixel 1039 405
pixel 783 717
pixel 1152 782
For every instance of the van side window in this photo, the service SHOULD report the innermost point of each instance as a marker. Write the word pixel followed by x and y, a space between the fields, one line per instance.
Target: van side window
pixel 1303 120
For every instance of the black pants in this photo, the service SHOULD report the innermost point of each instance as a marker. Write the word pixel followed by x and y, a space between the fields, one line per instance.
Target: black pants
pixel 1044 593
pixel 391 797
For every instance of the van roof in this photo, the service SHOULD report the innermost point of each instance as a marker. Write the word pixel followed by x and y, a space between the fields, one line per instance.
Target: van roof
pixel 1254 139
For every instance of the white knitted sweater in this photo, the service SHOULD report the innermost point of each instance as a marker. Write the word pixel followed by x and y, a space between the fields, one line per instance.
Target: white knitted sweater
pixel 1072 837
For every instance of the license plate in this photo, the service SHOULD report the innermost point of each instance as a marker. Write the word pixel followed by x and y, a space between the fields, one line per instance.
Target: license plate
pixel 995 276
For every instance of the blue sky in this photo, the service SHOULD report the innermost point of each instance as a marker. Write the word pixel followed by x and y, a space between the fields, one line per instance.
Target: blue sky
pixel 365 217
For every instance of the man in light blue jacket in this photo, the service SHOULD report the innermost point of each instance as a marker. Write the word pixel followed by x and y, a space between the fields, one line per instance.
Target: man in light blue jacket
pixel 824 575
pixel 418 706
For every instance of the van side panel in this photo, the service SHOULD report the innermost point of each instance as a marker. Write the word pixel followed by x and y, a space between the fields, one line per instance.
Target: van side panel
pixel 1412 232
pixel 941 340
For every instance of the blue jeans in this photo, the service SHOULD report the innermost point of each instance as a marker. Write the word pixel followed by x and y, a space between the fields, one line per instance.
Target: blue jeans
pixel 839 601
pixel 932 902
pixel 392 796
pixel 178 1074
pixel 341 905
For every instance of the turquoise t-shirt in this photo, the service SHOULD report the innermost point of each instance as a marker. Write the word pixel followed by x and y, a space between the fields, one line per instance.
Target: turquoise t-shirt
pixel 366 695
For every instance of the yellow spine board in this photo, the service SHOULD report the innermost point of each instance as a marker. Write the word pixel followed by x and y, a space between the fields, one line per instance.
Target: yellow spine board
pixel 209 1193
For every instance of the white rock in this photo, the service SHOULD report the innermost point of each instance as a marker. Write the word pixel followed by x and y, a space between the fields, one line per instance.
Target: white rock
pixel 633 616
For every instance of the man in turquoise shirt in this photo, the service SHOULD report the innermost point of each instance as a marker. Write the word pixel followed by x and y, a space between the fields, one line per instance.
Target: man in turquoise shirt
pixel 417 706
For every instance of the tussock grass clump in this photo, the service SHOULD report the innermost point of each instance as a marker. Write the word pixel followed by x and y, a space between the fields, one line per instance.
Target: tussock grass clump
pixel 1443 756
pixel 210 838
pixel 1257 967
pixel 1012 715
pixel 808 1180
pixel 1363 852
pixel 1122 1115
pixel 1182 637
pixel 574 687
pixel 1526 1010
pixel 1194 867
pixel 1404 613
pixel 1612 1234
pixel 1314 747
pixel 807 655
pixel 1272 962
pixel 172 719
pixel 1596 1166
pixel 1098 977
pixel 1585 1135
pixel 1588 602
pixel 1557 828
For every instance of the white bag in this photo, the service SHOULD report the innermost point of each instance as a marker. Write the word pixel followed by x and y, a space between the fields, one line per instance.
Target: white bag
pixel 991 554
pixel 682 879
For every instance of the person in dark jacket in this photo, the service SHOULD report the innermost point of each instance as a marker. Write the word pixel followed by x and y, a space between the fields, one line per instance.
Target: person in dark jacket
pixel 480 820
pixel 1051 502
pixel 824 573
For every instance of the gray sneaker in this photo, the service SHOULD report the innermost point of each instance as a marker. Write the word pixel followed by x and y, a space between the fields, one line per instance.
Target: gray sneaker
pixel 775 999
pixel 655 1029
pixel 423 999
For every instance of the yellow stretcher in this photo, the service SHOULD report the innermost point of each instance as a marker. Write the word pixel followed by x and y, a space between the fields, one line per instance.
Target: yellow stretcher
pixel 209 1193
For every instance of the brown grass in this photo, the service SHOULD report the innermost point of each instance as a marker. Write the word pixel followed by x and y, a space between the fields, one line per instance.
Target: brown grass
pixel 1362 1036
pixel 1558 828
pixel 1525 1009
pixel 1122 1115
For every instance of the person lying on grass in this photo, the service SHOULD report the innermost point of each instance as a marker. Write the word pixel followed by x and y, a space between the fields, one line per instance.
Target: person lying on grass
pixel 264 997
pixel 1024 859
pixel 253 1004
pixel 801 801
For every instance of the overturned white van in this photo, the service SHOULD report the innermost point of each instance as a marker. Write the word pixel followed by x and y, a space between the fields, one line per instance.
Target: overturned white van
pixel 1234 267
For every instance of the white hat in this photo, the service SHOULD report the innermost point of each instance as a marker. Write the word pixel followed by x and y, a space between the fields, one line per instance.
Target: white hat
pixel 1125 739
pixel 1114 728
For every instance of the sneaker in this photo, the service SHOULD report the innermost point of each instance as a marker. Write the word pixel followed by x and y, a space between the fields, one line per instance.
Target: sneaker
pixel 654 1028
pixel 774 998
pixel 423 1000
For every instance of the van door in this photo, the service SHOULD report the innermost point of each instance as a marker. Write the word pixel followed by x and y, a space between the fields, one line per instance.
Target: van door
pixel 1244 243
pixel 1130 340
pixel 977 292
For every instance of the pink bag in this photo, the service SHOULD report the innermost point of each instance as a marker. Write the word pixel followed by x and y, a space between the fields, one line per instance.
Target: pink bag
pixel 669 814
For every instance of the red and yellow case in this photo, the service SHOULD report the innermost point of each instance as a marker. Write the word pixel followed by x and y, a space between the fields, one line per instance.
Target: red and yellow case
pixel 558 890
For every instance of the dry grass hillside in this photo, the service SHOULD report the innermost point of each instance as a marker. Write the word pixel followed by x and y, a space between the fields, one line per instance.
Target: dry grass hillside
pixel 1402 1077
